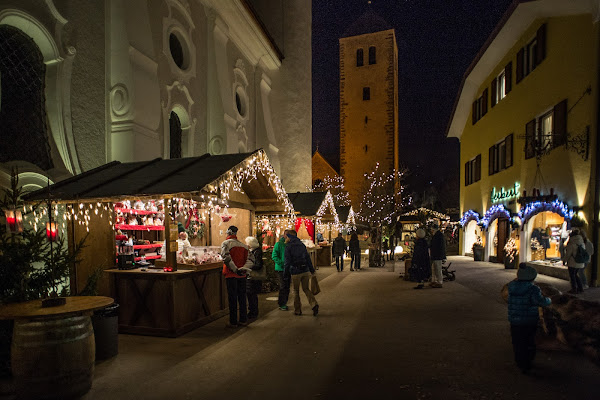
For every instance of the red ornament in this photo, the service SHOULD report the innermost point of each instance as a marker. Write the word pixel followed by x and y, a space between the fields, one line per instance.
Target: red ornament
pixel 51 231
pixel 14 221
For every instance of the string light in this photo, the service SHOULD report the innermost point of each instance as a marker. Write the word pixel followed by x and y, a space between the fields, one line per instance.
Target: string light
pixel 536 207
pixel 495 211
pixel 427 211
pixel 468 216
pixel 383 197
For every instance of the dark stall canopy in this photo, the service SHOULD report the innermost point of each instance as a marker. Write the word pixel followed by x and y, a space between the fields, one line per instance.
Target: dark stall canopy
pixel 315 204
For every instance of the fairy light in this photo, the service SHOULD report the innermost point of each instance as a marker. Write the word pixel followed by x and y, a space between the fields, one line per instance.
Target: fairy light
pixel 495 211
pixel 468 216
pixel 383 195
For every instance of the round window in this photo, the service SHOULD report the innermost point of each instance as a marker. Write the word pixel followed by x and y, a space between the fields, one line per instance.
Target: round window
pixel 177 52
pixel 240 101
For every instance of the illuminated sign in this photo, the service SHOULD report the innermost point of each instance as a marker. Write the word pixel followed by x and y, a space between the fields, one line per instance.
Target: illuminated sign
pixel 503 194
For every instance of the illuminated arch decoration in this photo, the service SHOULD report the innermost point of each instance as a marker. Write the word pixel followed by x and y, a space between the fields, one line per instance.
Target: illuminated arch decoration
pixel 495 211
pixel 468 216
pixel 536 207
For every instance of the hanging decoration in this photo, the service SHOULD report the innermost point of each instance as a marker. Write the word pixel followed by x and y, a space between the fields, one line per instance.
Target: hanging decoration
pixel 468 216
pixel 536 207
pixel 495 211
pixel 427 211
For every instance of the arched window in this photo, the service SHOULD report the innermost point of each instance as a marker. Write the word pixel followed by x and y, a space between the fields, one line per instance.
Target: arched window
pixel 359 58
pixel 23 129
pixel 372 55
pixel 175 136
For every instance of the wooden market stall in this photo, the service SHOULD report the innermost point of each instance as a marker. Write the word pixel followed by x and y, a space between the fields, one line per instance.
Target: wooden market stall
pixel 315 212
pixel 155 228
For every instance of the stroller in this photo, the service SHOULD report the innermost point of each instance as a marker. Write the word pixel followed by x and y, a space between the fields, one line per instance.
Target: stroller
pixel 447 273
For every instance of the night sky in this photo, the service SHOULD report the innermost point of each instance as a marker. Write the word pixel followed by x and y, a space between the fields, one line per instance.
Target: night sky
pixel 437 40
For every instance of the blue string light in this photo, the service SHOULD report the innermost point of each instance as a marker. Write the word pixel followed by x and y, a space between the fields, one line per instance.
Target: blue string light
pixel 468 216
pixel 495 211
pixel 536 207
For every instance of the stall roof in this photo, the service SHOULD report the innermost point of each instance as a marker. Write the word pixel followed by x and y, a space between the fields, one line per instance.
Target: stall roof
pixel 343 212
pixel 144 178
pixel 307 204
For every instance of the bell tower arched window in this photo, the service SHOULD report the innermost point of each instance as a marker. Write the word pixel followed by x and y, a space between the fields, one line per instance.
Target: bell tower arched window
pixel 359 58
pixel 23 129
pixel 175 136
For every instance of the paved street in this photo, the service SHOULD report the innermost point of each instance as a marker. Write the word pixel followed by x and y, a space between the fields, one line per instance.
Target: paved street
pixel 375 337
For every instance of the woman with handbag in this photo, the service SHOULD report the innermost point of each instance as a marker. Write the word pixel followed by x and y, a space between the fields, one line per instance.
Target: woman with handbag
pixel 256 276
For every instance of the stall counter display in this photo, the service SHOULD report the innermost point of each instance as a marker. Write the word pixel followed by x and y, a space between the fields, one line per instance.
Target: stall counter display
pixel 194 257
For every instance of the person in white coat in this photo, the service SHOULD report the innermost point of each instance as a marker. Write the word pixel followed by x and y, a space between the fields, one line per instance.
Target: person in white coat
pixel 575 240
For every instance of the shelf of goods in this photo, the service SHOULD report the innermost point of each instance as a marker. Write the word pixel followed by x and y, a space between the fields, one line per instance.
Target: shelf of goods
pixel 156 257
pixel 140 227
pixel 134 211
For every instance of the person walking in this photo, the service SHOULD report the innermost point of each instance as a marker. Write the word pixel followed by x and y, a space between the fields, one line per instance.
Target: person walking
pixel 420 269
pixel 256 276
pixel 236 262
pixel 571 258
pixel 284 282
pixel 339 248
pixel 354 247
pixel 524 298
pixel 386 248
pixel 589 247
pixel 438 254
pixel 297 264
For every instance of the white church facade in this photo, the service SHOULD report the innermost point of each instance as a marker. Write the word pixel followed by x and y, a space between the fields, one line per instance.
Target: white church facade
pixel 84 83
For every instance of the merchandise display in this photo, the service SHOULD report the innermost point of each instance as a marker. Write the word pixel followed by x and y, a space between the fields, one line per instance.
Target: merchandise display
pixel 199 255
pixel 139 230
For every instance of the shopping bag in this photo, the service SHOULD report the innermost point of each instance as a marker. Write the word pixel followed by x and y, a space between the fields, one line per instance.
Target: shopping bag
pixel 314 285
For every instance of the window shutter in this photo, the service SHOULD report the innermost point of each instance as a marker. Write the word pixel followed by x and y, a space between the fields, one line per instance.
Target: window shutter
pixel 497 158
pixel 559 124
pixel 509 151
pixel 520 63
pixel 467 173
pixel 491 161
pixel 478 168
pixel 484 103
pixel 508 78
pixel 540 51
pixel 530 139
pixel 494 91
pixel 474 112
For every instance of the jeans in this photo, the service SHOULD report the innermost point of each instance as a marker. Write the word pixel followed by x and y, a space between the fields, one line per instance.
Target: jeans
pixel 284 289
pixel 436 272
pixel 236 294
pixel 302 279
pixel 582 276
pixel 576 284
pixel 355 259
pixel 253 288
pixel 339 263
pixel 523 341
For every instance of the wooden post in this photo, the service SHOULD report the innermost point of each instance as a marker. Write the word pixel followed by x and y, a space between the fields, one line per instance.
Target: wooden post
pixel 170 242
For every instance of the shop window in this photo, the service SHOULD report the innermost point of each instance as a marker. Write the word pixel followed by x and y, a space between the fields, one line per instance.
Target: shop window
pixel 372 55
pixel 501 155
pixel 359 58
pixel 532 54
pixel 473 170
pixel 23 128
pixel 480 106
pixel 175 136
pixel 366 93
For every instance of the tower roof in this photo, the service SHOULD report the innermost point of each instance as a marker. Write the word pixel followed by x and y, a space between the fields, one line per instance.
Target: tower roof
pixel 369 22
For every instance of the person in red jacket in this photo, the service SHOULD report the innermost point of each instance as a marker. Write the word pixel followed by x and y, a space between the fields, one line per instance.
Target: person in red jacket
pixel 236 262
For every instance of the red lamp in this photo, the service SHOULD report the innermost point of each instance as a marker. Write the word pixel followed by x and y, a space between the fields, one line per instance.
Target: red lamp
pixel 14 220
pixel 51 231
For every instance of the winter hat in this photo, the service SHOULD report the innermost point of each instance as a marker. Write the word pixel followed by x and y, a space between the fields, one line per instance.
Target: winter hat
pixel 420 233
pixel 526 273
pixel 180 227
pixel 232 230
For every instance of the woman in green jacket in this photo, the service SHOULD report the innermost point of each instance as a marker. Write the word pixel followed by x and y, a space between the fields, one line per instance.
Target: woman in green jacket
pixel 284 282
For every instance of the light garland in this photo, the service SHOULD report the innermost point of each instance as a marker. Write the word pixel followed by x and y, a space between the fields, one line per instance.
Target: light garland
pixel 536 207
pixel 511 250
pixel 383 196
pixel 427 211
pixel 328 202
pixel 468 216
pixel 336 186
pixel 495 211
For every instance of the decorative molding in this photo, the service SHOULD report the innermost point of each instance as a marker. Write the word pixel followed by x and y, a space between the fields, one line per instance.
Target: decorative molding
pixel 179 101
pixel 184 32
pixel 120 100
pixel 216 145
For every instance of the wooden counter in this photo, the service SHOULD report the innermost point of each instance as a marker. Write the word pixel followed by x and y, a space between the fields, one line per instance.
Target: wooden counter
pixel 324 255
pixel 159 303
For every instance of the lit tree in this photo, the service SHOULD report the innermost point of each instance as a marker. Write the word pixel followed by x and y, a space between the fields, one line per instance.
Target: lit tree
pixel 335 185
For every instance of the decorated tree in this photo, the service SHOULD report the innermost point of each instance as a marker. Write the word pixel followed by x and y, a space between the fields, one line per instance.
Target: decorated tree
pixel 335 185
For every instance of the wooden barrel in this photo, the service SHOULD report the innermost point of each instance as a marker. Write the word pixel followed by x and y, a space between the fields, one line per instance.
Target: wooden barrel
pixel 53 358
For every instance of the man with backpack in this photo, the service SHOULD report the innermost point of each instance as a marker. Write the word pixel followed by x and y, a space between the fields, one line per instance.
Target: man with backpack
pixel 575 256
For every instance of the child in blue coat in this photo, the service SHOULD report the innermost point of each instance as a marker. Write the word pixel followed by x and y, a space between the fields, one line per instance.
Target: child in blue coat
pixel 524 298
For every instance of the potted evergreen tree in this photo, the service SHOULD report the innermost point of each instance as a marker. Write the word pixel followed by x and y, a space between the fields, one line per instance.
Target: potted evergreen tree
pixel 510 254
pixel 478 250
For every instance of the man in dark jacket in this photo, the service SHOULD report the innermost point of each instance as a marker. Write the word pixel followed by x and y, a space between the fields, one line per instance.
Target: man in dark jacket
pixel 339 247
pixel 437 250
pixel 298 265
pixel 354 252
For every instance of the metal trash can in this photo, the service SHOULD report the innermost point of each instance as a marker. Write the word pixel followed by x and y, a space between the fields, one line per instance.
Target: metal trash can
pixel 106 331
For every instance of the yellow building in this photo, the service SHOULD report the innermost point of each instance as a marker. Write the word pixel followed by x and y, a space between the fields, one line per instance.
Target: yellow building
pixel 526 116
pixel 368 102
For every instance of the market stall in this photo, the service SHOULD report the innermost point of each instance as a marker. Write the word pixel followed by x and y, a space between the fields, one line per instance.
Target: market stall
pixel 156 228
pixel 316 213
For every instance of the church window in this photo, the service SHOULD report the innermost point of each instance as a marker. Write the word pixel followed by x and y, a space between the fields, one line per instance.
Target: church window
pixel 359 58
pixel 372 55
pixel 366 119
pixel 176 134
pixel 23 128
pixel 366 93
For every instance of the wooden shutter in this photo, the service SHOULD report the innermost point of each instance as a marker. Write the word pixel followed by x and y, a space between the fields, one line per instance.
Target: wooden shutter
pixel 467 173
pixel 530 139
pixel 508 78
pixel 491 162
pixel 559 124
pixel 540 51
pixel 494 91
pixel 478 168
pixel 484 103
pixel 508 158
pixel 359 58
pixel 520 63
pixel 474 112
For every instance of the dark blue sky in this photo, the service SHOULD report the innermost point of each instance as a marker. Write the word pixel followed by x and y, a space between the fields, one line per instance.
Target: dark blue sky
pixel 437 40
